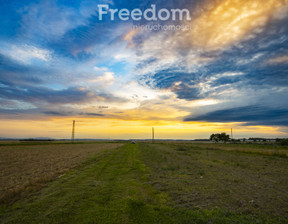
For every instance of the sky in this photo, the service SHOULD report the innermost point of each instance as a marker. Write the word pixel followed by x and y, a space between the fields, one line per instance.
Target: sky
pixel 227 67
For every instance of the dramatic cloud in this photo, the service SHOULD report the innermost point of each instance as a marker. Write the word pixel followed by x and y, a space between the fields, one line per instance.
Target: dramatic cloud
pixel 230 64
pixel 228 21
pixel 252 115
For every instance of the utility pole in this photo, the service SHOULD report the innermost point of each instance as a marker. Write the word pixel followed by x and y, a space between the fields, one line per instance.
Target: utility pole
pixel 231 133
pixel 73 131
pixel 152 134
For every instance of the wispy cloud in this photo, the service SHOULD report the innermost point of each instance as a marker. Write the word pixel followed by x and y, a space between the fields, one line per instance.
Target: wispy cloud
pixel 107 78
pixel 26 53
pixel 279 60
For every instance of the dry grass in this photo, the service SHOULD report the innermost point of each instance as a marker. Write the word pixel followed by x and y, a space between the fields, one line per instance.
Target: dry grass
pixel 241 179
pixel 26 168
pixel 261 149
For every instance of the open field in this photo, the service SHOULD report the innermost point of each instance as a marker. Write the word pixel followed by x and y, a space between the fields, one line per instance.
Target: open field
pixel 27 166
pixel 239 178
pixel 261 149
pixel 164 183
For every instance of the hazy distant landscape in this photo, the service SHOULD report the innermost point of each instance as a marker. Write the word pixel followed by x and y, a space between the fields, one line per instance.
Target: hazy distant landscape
pixel 160 182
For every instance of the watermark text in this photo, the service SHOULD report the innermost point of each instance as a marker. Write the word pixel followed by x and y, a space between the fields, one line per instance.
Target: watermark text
pixel 149 14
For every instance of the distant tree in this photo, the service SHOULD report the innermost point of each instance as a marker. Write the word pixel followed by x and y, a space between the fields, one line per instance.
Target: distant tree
pixel 220 137
pixel 214 138
pixel 225 138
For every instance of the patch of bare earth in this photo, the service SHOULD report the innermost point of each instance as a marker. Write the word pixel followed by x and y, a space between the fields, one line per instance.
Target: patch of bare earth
pixel 24 169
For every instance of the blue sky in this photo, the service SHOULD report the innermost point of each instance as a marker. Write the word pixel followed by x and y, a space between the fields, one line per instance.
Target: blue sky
pixel 59 61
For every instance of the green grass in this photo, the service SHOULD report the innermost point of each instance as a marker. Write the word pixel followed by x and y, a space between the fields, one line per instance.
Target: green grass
pixel 120 186
pixel 242 183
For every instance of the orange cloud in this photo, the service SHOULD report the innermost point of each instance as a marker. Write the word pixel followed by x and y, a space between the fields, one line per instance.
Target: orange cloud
pixel 279 60
pixel 129 36
pixel 227 21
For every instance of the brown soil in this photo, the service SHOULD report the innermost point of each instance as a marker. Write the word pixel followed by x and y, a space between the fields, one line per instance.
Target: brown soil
pixel 26 168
